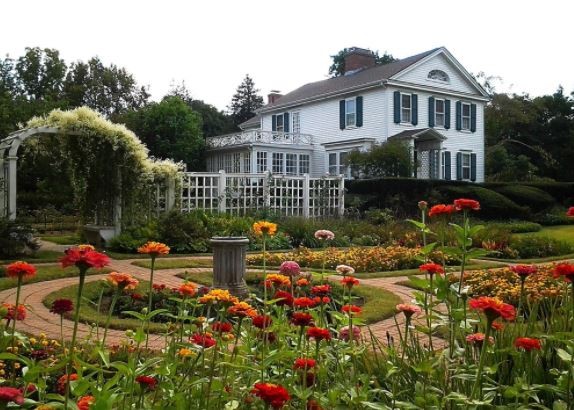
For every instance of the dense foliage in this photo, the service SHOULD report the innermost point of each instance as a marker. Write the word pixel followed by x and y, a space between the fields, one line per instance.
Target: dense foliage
pixel 245 101
pixel 16 239
pixel 337 68
pixel 389 159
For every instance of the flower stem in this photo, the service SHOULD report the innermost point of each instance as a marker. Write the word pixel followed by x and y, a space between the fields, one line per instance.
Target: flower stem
pixel 150 300
pixel 112 306
pixel 15 318
pixel 478 380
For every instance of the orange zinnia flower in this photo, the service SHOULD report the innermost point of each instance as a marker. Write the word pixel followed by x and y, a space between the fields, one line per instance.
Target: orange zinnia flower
pixel 351 310
pixel 154 248
pixel 218 295
pixel 85 402
pixel 187 289
pixel 242 309
pixel 277 280
pixel 20 269
pixel 349 281
pixel 493 308
pixel 14 313
pixel 262 228
pixel 123 280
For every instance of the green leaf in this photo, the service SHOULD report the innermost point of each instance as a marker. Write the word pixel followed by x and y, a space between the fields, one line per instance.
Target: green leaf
pixel 564 355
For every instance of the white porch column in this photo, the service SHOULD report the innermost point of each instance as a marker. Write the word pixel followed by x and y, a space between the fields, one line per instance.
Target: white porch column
pixel 170 194
pixel 221 192
pixel 3 188
pixel 341 207
pixel 253 160
pixel 12 169
pixel 306 195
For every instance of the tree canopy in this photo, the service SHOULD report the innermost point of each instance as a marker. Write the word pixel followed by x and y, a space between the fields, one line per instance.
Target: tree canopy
pixel 245 101
pixel 389 159
pixel 338 66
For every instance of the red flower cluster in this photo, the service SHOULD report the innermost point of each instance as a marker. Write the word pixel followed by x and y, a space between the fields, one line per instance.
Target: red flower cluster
pixel 570 211
pixel 431 268
pixel 351 309
pixel 321 300
pixel 222 327
pixel 13 312
pixel 63 380
pixel 497 326
pixel 566 270
pixel 304 302
pixel 286 298
pixel 158 287
pixel 527 343
pixel 20 269
pixel 321 290
pixel 303 363
pixel 272 394
pixel 203 340
pixel 84 258
pixel 262 321
pixel 441 209
pixel 463 204
pixel 62 306
pixel 523 270
pixel 318 334
pixel 85 402
pixel 301 319
pixel 8 394
pixel 349 281
pixel 147 381
pixel 493 308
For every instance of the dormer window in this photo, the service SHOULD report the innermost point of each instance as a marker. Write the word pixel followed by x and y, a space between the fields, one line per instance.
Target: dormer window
pixel 438 75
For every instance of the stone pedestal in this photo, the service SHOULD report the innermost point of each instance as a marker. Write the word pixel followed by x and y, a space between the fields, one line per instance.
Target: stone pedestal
pixel 229 264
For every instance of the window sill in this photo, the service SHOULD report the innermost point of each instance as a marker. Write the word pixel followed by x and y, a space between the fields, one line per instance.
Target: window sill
pixel 406 124
pixel 350 127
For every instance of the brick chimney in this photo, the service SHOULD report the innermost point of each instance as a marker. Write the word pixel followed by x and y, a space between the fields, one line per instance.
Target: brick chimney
pixel 358 59
pixel 273 96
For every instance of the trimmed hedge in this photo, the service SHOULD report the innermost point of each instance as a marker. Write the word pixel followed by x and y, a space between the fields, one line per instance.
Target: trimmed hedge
pixel 498 200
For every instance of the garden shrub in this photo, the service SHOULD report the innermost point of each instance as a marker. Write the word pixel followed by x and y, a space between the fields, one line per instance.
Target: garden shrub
pixel 518 226
pixel 16 239
pixel 529 246
pixel 536 199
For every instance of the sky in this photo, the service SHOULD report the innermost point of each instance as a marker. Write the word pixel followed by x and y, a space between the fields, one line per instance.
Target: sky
pixel 211 45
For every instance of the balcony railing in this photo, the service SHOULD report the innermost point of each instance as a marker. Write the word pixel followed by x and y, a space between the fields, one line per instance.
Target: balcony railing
pixel 257 136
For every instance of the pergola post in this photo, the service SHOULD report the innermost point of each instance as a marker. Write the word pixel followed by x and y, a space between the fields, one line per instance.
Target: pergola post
pixel 12 169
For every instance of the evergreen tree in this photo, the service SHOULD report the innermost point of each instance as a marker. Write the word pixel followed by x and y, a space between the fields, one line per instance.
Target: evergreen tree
pixel 338 67
pixel 245 101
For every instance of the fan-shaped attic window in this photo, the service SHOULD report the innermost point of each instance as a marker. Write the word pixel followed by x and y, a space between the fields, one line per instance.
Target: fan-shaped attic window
pixel 438 75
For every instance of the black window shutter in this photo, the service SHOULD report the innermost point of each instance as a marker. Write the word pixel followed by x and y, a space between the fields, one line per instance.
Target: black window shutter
pixel 472 117
pixel 359 107
pixel 342 114
pixel 273 123
pixel 286 122
pixel 415 109
pixel 473 167
pixel 447 171
pixel 397 106
pixel 431 112
pixel 459 166
pixel 458 116
pixel 447 115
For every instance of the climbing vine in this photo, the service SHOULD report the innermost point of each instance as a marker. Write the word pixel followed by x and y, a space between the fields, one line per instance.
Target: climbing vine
pixel 107 163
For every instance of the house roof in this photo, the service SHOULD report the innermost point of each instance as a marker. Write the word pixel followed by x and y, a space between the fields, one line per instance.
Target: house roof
pixel 346 82
pixel 418 134
pixel 251 122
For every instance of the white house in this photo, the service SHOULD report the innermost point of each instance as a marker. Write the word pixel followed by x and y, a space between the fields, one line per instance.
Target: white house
pixel 428 99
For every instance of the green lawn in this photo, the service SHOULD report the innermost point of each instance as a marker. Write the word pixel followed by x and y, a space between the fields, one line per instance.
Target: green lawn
pixel 37 257
pixel 175 263
pixel 559 232
pixel 70 239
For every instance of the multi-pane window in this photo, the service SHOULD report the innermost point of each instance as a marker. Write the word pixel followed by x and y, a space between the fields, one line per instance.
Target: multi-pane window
pixel 406 108
pixel 442 167
pixel 261 161
pixel 338 163
pixel 296 120
pixel 247 162
pixel 228 163
pixel 291 164
pixel 350 113
pixel 278 162
pixel 439 113
pixel 333 168
pixel 465 165
pixel 343 167
pixel 304 164
pixel 279 123
pixel 465 116
pixel 236 162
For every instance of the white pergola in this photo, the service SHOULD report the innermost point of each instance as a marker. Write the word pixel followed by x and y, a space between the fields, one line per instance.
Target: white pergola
pixel 8 165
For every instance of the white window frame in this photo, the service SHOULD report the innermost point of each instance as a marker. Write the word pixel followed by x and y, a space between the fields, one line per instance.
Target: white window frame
pixel 350 116
pixel 437 113
pixel 278 163
pixel 291 163
pixel 304 164
pixel 465 167
pixel 433 77
pixel 465 117
pixel 246 162
pixel 338 167
pixel 277 128
pixel 296 122
pixel 442 167
pixel 262 162
pixel 408 109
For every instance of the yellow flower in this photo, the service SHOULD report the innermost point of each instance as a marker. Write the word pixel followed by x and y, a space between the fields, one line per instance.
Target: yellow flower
pixel 264 228
pixel 218 295
pixel 184 352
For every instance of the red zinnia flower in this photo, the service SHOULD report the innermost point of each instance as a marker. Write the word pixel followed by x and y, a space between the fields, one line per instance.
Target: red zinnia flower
pixel 63 380
pixel 12 312
pixel 431 268
pixel 304 302
pixel 274 395
pixel 523 270
pixel 61 306
pixel 570 211
pixel 463 204
pixel 84 258
pixel 321 290
pixel 318 334
pixel 262 321
pixel 408 310
pixel 20 269
pixel 147 381
pixel 351 309
pixel 478 339
pixel 564 269
pixel 349 281
pixel 203 340
pixel 290 268
pixel 303 363
pixel 85 402
pixel 222 327
pixel 493 308
pixel 441 209
pixel 8 394
pixel 301 319
pixel 497 326
pixel 286 298
pixel 527 343
pixel 321 300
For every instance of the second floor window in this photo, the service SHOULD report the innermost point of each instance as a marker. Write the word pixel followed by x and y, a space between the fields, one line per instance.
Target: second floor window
pixel 296 122
pixel 439 113
pixel 350 113
pixel 406 108
pixel 279 127
pixel 465 116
